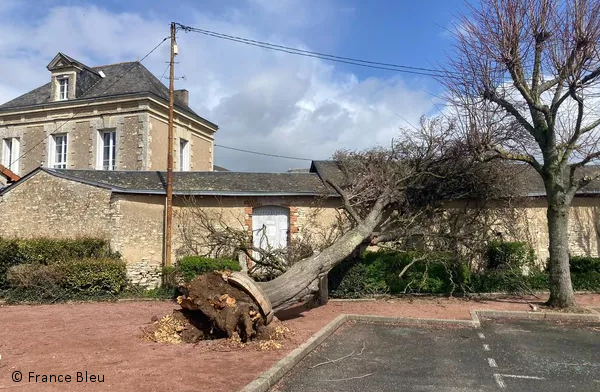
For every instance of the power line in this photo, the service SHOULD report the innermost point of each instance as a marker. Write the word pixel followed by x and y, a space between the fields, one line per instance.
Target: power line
pixel 262 153
pixel 91 101
pixel 319 55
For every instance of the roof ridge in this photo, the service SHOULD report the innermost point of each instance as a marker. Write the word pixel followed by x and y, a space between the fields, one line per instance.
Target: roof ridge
pixel 119 63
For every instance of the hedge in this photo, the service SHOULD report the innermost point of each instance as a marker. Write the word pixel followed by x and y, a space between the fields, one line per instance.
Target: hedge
pixel 66 280
pixel 49 251
pixel 191 266
pixel 377 273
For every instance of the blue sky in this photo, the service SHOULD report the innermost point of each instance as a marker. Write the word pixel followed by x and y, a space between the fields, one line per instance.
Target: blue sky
pixel 261 100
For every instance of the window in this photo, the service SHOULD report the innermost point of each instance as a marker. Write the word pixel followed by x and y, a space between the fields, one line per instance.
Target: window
pixel 58 152
pixel 10 154
pixel 63 88
pixel 184 155
pixel 107 150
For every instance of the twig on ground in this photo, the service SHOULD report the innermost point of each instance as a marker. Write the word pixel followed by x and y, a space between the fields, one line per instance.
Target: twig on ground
pixel 350 378
pixel 339 359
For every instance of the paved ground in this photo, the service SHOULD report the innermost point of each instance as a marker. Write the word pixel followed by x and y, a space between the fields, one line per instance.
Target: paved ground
pixel 503 355
pixel 105 339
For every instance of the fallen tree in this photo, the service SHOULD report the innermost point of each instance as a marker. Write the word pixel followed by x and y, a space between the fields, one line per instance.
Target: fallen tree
pixel 381 189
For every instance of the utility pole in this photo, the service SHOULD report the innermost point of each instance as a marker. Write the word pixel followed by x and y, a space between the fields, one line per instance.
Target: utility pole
pixel 169 218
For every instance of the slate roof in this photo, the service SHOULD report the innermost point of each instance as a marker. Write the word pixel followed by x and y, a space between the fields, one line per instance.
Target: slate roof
pixel 526 178
pixel 532 185
pixel 200 183
pixel 135 79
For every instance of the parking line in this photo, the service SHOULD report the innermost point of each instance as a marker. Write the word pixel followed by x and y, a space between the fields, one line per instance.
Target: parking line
pixel 524 377
pixel 481 335
pixel 486 347
pixel 492 362
pixel 499 380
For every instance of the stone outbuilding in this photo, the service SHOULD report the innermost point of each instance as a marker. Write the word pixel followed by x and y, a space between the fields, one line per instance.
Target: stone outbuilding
pixel 128 208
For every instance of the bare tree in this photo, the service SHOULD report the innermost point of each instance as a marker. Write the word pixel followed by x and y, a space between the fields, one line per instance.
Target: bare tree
pixel 525 73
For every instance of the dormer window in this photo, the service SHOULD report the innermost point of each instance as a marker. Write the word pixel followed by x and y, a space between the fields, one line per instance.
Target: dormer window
pixel 63 88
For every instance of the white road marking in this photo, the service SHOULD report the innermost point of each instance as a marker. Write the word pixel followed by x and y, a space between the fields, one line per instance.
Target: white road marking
pixel 515 330
pixel 524 377
pixel 499 381
pixel 481 335
pixel 492 362
pixel 486 347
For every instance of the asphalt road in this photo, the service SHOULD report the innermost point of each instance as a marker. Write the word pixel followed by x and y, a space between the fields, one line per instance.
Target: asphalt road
pixel 501 356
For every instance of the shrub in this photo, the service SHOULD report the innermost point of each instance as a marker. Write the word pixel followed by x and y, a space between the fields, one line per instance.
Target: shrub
pixel 8 258
pixel 192 266
pixel 589 281
pixel 377 273
pixel 48 251
pixel 509 281
pixel 93 275
pixel 582 264
pixel 68 280
pixel 509 255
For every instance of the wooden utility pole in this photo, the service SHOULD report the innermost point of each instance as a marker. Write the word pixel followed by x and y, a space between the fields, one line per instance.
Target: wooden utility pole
pixel 169 218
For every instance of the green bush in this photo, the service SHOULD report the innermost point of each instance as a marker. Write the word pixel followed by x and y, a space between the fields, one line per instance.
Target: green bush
pixel 8 258
pixel 377 273
pixel 509 281
pixel 582 264
pixel 192 266
pixel 509 255
pixel 48 251
pixel 589 281
pixel 67 280
pixel 93 275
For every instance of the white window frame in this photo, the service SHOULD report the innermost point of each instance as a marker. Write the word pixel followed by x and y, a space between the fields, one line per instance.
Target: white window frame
pixel 58 161
pixel 63 95
pixel 184 154
pixel 11 150
pixel 112 158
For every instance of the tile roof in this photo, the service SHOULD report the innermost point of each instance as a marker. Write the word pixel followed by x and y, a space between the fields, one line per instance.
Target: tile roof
pixel 201 183
pixel 121 79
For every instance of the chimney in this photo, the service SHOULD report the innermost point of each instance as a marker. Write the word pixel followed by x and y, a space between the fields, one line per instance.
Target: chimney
pixel 183 96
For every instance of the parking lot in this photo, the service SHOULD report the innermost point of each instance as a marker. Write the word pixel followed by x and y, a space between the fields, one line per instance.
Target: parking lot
pixel 502 355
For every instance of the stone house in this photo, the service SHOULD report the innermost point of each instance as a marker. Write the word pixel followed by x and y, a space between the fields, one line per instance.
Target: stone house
pixel 111 117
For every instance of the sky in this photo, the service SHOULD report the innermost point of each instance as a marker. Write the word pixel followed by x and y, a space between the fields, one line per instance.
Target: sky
pixel 261 100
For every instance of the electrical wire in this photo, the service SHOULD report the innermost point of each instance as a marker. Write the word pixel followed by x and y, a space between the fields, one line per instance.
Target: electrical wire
pixel 262 153
pixel 89 103
pixel 323 56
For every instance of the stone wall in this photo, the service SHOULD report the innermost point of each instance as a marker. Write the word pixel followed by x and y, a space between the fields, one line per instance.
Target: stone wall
pixel 201 146
pixel 48 206
pixel 141 130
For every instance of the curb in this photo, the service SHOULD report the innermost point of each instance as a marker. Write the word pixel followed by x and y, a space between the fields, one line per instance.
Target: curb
pixel 536 315
pixel 408 320
pixel 269 378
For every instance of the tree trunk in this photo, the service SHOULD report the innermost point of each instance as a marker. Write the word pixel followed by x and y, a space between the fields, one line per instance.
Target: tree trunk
pixel 561 289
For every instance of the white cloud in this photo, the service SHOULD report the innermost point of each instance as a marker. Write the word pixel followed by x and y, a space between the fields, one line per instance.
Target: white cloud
pixel 262 100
